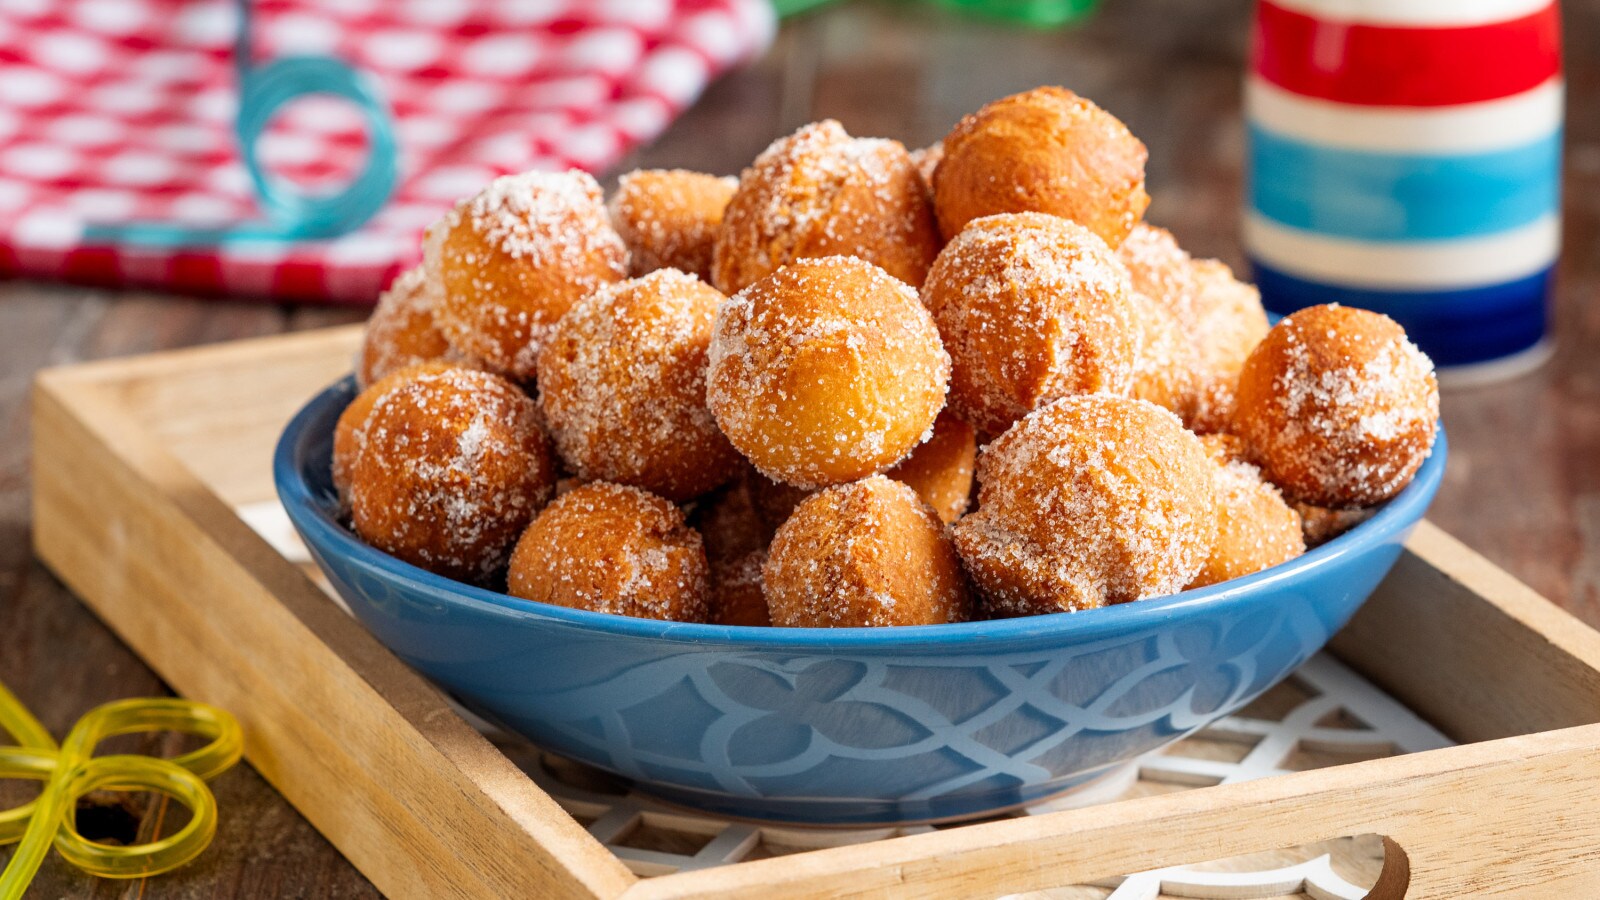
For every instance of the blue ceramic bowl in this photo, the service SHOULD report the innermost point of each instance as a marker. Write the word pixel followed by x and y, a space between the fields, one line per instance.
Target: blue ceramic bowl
pixel 850 725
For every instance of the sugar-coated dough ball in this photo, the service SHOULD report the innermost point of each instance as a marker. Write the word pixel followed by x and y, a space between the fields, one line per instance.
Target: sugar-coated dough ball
pixel 622 385
pixel 826 371
pixel 402 330
pixel 940 469
pixel 1256 529
pixel 1045 150
pixel 1220 317
pixel 613 549
pixel 514 258
pixel 1031 307
pixel 1320 524
pixel 926 159
pixel 453 467
pixel 729 521
pixel 820 192
pixel 669 218
pixel 1089 501
pixel 349 433
pixel 1338 408
pixel 1164 367
pixel 736 595
pixel 869 553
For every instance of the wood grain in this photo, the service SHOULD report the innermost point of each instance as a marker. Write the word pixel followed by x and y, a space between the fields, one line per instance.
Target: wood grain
pixel 1523 486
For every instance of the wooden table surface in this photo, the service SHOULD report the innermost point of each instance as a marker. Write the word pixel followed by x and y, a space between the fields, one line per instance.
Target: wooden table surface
pixel 1523 485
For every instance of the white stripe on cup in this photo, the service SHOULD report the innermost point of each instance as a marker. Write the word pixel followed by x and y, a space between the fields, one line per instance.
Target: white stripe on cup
pixel 1413 13
pixel 1417 265
pixel 1466 128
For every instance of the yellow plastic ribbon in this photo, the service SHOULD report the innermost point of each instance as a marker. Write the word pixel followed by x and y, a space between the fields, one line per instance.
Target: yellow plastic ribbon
pixel 72 770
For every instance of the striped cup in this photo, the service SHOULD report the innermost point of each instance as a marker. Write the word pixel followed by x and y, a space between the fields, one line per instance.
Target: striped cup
pixel 1405 156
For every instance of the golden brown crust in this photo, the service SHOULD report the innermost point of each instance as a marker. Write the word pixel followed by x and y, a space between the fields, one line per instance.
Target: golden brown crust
pixel 940 469
pixel 401 330
pixel 1045 150
pixel 1220 318
pixel 1319 524
pixel 1089 501
pixel 864 554
pixel 1164 368
pixel 349 433
pixel 513 259
pixel 736 595
pixel 613 549
pixel 820 192
pixel 1338 408
pixel 453 467
pixel 827 371
pixel 622 387
pixel 669 218
pixel 1256 529
pixel 1031 307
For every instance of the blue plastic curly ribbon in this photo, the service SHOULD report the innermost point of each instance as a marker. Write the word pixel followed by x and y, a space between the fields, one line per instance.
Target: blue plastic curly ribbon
pixel 290 214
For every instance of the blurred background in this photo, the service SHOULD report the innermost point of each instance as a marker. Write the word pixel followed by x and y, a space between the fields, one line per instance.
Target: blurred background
pixel 1523 486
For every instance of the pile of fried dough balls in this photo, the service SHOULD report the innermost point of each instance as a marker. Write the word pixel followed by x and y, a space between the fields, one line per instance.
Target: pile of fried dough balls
pixel 761 401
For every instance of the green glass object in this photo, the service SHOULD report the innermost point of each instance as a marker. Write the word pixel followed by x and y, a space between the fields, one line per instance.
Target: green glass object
pixel 1033 13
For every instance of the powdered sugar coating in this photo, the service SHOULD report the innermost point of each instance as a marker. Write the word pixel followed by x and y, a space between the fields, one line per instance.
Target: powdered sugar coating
pixel 1031 307
pixel 1220 317
pixel 622 385
pixel 1089 501
pixel 401 330
pixel 512 259
pixel 1338 407
pixel 820 192
pixel 669 218
pixel 865 554
pixel 827 371
pixel 613 549
pixel 1256 529
pixel 1045 150
pixel 453 467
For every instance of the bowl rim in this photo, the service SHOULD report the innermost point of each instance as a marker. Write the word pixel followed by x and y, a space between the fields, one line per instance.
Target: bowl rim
pixel 310 514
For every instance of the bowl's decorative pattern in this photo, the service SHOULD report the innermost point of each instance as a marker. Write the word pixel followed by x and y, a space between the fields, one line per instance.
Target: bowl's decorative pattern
pixel 850 726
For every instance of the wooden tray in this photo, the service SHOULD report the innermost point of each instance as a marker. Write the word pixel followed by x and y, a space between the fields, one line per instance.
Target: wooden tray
pixel 140 465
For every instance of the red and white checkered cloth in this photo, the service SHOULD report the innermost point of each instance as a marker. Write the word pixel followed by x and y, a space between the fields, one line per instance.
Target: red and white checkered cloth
pixel 120 110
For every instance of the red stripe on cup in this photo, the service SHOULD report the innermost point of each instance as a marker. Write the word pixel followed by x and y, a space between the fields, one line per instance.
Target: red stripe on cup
pixel 1378 65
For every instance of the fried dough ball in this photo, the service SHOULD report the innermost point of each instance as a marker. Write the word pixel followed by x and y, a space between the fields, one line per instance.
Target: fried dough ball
pixel 453 468
pixel 514 258
pixel 940 469
pixel 622 386
pixel 869 553
pixel 349 433
pixel 729 522
pixel 1220 318
pixel 402 330
pixel 613 549
pixel 1319 524
pixel 736 595
pixel 820 192
pixel 669 218
pixel 1338 408
pixel 1164 368
pixel 1256 529
pixel 1031 307
pixel 1046 150
pixel 926 160
pixel 826 371
pixel 1089 501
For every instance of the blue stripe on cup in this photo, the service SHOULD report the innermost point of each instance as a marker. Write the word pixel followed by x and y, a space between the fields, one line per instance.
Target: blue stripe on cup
pixel 1381 196
pixel 1456 327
